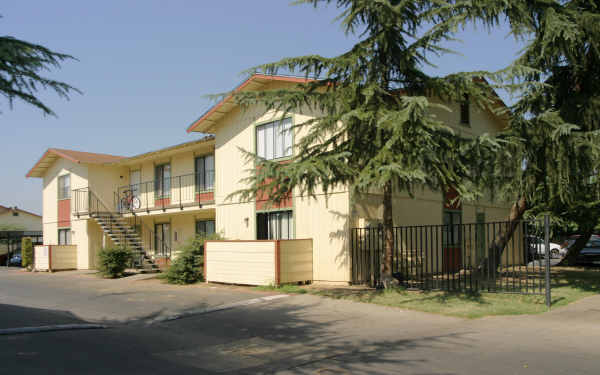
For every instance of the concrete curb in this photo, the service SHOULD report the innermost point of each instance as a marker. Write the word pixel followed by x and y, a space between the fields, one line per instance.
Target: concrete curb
pixel 50 328
pixel 216 308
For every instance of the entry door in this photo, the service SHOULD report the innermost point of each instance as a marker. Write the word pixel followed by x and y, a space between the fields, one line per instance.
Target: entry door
pixel 135 178
pixel 480 233
pixel 162 238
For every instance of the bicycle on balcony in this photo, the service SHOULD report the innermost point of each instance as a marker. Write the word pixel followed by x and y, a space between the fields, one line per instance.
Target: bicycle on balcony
pixel 129 201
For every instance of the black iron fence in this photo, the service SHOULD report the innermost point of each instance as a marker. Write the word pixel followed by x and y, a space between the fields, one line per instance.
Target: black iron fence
pixel 178 191
pixel 495 257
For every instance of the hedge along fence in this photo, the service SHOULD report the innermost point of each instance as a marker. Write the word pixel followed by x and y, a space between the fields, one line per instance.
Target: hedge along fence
pixel 55 257
pixel 261 262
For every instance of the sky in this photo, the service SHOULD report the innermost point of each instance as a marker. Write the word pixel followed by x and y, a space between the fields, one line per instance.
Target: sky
pixel 145 68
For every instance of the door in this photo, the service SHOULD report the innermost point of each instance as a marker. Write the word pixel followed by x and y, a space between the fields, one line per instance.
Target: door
pixel 135 178
pixel 480 236
pixel 162 239
pixel 452 241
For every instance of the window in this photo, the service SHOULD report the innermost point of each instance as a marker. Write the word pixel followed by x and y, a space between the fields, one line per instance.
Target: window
pixel 162 182
pixel 451 232
pixel 64 236
pixel 15 213
pixel 205 226
pixel 64 187
pixel 205 173
pixel 162 238
pixel 278 225
pixel 274 140
pixel 465 111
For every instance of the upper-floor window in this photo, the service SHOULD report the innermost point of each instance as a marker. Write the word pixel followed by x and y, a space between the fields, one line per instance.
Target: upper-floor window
pixel 64 186
pixel 274 139
pixel 205 172
pixel 465 111
pixel 162 180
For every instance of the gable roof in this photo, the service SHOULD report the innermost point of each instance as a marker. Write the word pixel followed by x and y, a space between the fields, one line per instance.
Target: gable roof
pixel 78 157
pixel 4 209
pixel 226 104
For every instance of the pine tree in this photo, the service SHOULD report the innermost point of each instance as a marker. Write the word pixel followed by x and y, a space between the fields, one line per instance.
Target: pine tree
pixel 554 155
pixel 21 63
pixel 375 129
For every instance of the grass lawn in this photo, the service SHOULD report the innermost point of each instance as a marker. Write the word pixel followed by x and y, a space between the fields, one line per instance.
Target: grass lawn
pixel 568 285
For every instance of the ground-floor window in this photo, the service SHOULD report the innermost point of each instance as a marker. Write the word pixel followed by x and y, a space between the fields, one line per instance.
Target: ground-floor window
pixel 205 226
pixel 277 225
pixel 64 236
pixel 162 238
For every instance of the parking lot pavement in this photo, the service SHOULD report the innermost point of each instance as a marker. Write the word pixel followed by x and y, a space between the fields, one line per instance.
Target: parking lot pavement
pixel 83 296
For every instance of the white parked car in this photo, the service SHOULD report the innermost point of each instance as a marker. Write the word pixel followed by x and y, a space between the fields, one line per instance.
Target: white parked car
pixel 537 248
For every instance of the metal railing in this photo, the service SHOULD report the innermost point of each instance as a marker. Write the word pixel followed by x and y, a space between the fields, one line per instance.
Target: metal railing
pixel 178 191
pixel 85 202
pixel 461 257
pixel 150 241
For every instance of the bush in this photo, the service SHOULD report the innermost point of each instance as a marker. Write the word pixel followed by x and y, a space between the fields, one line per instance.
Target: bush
pixel 26 252
pixel 189 262
pixel 112 261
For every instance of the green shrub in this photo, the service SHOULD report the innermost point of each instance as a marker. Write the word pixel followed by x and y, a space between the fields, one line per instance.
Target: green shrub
pixel 112 261
pixel 187 267
pixel 26 252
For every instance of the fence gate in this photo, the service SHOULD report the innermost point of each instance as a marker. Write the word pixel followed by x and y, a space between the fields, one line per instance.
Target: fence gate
pixel 504 257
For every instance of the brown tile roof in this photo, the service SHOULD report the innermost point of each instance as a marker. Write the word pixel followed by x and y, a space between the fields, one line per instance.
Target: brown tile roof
pixel 52 154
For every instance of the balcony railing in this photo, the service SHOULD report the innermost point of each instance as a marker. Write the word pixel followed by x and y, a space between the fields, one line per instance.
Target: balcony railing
pixel 174 192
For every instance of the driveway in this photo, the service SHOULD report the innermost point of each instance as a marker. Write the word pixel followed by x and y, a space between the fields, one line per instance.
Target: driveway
pixel 304 334
pixel 75 296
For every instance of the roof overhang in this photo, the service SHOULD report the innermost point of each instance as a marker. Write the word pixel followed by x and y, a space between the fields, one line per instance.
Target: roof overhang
pixel 207 141
pixel 216 112
pixel 49 157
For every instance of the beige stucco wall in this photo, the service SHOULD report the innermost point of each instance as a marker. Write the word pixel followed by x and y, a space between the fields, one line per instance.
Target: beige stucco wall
pixel 244 262
pixel 24 220
pixel 79 176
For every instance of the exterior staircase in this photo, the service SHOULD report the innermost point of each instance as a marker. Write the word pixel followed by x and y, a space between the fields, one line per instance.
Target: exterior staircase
pixel 122 234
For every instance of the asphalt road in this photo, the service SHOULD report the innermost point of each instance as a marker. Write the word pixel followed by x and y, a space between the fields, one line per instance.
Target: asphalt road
pixel 295 335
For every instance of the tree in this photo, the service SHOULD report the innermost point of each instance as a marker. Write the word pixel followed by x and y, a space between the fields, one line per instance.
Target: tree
pixel 375 129
pixel 21 64
pixel 26 252
pixel 555 151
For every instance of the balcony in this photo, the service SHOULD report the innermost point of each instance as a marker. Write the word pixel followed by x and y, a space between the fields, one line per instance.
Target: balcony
pixel 178 192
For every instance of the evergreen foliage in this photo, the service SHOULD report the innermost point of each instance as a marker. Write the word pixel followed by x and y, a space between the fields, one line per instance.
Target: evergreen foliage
pixel 187 268
pixel 26 252
pixel 376 128
pixel 554 156
pixel 21 65
pixel 112 261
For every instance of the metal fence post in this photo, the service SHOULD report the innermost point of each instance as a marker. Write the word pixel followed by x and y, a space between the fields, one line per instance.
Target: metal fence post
pixel 547 256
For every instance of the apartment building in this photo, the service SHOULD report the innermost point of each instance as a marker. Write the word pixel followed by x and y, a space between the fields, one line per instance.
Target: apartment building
pixel 156 200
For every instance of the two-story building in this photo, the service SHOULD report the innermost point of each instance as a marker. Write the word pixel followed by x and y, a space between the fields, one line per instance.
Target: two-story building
pixel 167 195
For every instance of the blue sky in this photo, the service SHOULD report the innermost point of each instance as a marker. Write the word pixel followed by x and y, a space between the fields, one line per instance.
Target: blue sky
pixel 146 66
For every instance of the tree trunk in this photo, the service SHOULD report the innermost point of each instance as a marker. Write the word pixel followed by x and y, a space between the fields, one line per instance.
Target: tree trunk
pixel 387 279
pixel 575 249
pixel 496 248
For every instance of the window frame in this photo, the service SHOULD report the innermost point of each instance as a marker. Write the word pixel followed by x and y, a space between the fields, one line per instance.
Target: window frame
pixel 201 177
pixel 67 238
pixel 159 181
pixel 274 125
pixel 204 222
pixel 64 192
pixel 269 232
